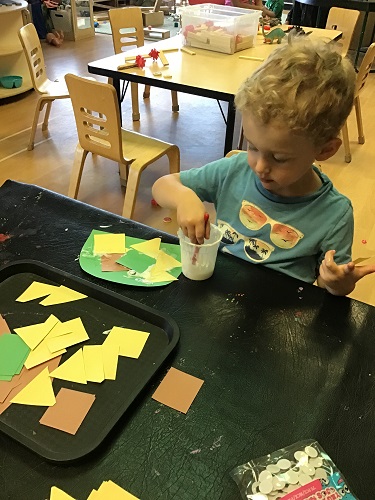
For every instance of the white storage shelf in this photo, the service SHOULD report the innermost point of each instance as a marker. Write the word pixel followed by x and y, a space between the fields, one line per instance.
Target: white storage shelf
pixel 12 58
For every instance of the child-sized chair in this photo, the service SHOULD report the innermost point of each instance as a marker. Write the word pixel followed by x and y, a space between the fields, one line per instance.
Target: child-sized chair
pixel 362 75
pixel 97 116
pixel 127 30
pixel 48 91
pixel 344 20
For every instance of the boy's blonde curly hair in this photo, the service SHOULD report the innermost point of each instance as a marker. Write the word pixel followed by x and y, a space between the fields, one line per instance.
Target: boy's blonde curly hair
pixel 305 84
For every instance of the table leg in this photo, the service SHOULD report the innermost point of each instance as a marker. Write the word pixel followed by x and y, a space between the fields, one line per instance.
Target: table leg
pixel 231 117
pixel 116 84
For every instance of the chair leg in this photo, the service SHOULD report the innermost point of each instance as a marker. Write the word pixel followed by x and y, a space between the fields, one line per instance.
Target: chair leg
pixel 358 114
pixel 75 177
pixel 124 173
pixel 345 139
pixel 135 103
pixel 175 106
pixel 38 109
pixel 146 92
pixel 46 115
pixel 131 191
pixel 173 154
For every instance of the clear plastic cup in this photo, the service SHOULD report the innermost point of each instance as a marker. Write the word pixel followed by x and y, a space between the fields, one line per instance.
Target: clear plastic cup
pixel 198 261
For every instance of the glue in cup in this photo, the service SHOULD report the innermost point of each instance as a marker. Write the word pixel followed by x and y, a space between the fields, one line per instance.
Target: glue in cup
pixel 198 261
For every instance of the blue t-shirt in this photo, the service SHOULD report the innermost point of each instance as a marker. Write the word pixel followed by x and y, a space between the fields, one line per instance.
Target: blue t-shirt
pixel 288 234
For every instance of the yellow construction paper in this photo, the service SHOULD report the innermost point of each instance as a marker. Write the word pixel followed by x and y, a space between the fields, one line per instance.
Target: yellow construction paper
pixel 38 392
pixel 78 334
pixel 73 370
pixel 150 247
pixel 165 262
pixel 35 291
pixel 109 243
pixel 93 360
pixel 57 494
pixel 130 342
pixel 61 295
pixel 60 329
pixel 41 354
pixel 110 354
pixel 110 490
pixel 94 495
pixel 160 276
pixel 32 335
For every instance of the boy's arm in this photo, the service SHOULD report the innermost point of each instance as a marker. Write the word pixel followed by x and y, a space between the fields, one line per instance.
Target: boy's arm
pixel 340 279
pixel 169 192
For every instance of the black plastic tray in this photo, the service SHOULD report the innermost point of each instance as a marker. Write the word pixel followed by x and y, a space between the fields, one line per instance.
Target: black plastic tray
pixel 99 312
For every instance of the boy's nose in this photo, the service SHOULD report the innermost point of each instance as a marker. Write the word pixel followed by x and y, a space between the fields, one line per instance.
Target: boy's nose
pixel 262 167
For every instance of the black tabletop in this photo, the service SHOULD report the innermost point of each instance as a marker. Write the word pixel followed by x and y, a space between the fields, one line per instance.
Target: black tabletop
pixel 281 361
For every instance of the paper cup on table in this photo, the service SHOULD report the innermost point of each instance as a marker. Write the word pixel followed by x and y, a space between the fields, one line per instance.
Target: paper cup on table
pixel 198 261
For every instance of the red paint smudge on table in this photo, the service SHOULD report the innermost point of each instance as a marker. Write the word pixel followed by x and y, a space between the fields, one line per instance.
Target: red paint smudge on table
pixel 4 237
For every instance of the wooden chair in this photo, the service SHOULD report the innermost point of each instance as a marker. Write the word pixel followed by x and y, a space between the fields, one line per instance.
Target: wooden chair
pixel 48 91
pixel 362 75
pixel 97 116
pixel 344 20
pixel 123 20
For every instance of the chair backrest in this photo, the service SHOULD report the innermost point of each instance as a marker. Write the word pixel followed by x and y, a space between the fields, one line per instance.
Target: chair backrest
pixel 34 56
pixel 364 69
pixel 97 116
pixel 127 28
pixel 343 20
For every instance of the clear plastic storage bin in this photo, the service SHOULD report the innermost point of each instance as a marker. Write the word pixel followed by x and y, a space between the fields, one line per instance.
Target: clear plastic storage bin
pixel 219 28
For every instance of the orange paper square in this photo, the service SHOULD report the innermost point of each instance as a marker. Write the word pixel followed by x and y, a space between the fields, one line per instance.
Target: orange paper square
pixel 69 411
pixel 178 390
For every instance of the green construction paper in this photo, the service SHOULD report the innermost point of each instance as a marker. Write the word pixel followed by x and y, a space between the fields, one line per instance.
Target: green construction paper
pixel 91 263
pixel 137 261
pixel 13 352
pixel 6 378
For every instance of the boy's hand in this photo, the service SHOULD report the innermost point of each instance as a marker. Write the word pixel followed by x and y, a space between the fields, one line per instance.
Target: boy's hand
pixel 340 279
pixel 191 218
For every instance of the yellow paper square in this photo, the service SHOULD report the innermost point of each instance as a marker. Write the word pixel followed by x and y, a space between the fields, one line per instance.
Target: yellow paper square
pixel 110 354
pixel 160 276
pixel 109 243
pixel 93 360
pixel 130 342
pixel 78 334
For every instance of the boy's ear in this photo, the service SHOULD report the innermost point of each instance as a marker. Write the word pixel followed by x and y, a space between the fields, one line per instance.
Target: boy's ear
pixel 329 149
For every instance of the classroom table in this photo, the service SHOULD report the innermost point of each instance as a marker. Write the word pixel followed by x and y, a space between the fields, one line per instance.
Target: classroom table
pixel 207 74
pixel 281 361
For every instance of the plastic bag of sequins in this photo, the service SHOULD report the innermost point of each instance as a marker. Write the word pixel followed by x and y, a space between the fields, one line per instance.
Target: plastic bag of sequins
pixel 302 471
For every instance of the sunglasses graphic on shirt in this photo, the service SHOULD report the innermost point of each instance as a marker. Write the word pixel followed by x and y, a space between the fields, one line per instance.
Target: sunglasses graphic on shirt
pixel 281 235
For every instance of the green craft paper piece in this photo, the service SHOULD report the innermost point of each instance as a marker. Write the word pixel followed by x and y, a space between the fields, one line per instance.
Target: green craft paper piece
pixel 13 352
pixel 6 378
pixel 91 263
pixel 137 261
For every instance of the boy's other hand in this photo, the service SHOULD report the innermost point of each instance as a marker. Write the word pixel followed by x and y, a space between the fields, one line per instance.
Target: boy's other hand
pixel 340 279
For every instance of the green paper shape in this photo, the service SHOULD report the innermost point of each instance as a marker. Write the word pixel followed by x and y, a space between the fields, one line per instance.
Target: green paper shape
pixel 6 378
pixel 13 352
pixel 91 263
pixel 137 261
